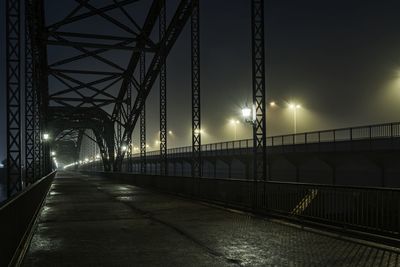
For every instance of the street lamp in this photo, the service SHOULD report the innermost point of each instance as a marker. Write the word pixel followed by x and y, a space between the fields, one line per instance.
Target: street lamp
pixel 294 107
pixel 235 124
pixel 46 136
pixel 246 112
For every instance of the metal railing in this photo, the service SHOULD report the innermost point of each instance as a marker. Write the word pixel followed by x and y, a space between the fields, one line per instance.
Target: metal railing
pixel 371 132
pixel 370 210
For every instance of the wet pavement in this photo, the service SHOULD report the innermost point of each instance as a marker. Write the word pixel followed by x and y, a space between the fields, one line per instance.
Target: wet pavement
pixel 92 221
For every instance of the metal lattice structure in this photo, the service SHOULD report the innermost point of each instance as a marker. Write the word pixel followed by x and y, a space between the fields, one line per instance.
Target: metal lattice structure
pixel 13 74
pixel 142 133
pixel 30 103
pixel 163 94
pixel 79 79
pixel 258 76
pixel 196 115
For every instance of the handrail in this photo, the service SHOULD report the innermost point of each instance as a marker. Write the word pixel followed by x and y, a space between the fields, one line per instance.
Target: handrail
pixel 377 131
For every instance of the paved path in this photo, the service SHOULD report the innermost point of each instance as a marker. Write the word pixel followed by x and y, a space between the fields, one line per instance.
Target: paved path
pixel 92 221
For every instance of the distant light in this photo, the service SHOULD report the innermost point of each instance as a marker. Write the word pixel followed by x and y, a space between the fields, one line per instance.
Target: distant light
pixel 147 146
pixel 1 165
pixel 53 153
pixel 170 132
pixel 97 156
pixel 198 131
pixel 272 104
pixel 294 106
pixel 86 159
pixel 233 121
pixel 157 142
pixel 80 162
pixel 124 148
pixel 46 136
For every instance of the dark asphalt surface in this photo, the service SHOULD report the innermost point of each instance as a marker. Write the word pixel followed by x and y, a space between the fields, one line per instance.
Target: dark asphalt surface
pixel 92 221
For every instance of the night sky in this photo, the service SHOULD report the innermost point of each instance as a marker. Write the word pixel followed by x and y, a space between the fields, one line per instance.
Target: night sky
pixel 339 59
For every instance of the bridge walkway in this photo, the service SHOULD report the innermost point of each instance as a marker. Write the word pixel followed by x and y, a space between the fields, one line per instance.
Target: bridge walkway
pixel 93 221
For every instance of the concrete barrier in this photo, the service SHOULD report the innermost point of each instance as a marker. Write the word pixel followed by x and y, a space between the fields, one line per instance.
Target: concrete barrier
pixel 17 216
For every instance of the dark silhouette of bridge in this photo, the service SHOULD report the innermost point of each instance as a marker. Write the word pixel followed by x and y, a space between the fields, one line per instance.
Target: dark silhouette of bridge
pixel 256 202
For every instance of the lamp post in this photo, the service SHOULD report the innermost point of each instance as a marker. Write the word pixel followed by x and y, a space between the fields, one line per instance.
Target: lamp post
pixel 294 107
pixel 235 124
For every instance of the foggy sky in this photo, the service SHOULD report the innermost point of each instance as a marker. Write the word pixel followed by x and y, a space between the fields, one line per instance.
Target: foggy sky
pixel 339 59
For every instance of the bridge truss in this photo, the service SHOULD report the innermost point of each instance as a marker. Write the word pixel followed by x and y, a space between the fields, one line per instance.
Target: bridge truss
pixel 82 81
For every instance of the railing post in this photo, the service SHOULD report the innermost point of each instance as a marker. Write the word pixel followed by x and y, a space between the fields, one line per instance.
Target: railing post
pixel 351 134
pixel 370 132
pixel 391 130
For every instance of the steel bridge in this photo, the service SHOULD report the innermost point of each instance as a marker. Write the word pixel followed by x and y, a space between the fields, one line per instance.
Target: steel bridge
pixel 81 90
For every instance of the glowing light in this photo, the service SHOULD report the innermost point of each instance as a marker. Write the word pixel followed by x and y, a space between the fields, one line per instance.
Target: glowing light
pixel 157 142
pixel 86 160
pixel 233 121
pixel 272 104
pixel 46 136
pixel 53 153
pixel 98 156
pixel 198 131
pixel 246 112
pixel 170 132
pixel 124 148
pixel 294 106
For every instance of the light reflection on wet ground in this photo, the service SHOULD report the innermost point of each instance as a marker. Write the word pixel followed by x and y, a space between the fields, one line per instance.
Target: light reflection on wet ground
pixel 89 221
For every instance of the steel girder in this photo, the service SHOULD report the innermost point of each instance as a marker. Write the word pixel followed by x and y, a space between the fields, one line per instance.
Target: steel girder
pixel 181 16
pixel 142 133
pixel 13 76
pixel 30 102
pixel 98 121
pixel 196 114
pixel 258 77
pixel 163 96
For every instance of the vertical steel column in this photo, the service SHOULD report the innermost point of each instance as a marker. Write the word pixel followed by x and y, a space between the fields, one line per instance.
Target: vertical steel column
pixel 119 134
pixel 143 166
pixel 29 102
pixel 128 108
pixel 37 127
pixel 258 71
pixel 13 78
pixel 196 129
pixel 163 94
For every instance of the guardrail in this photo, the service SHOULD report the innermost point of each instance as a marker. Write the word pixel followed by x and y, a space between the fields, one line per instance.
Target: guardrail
pixel 17 215
pixel 375 211
pixel 371 132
